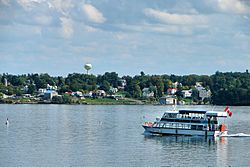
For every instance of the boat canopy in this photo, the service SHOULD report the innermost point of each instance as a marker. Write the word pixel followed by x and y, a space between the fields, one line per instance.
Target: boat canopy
pixel 172 112
pixel 216 114
pixel 192 111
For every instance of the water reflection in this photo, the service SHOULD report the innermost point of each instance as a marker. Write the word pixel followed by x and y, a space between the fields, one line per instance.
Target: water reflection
pixel 222 152
pixel 214 150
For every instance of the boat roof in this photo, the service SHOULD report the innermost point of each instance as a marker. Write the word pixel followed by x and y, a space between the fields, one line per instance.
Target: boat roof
pixel 216 114
pixel 208 113
pixel 172 112
pixel 192 111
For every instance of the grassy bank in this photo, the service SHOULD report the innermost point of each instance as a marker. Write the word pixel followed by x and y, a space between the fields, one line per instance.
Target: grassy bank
pixel 108 101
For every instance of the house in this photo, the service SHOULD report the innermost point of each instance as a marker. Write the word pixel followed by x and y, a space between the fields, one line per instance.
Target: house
pixel 171 91
pixel 113 90
pixel 5 82
pixel 41 91
pixel 176 84
pixel 88 95
pixel 168 100
pixel 203 93
pixel 122 83
pixel 100 93
pixel 77 94
pixel 49 94
pixel 187 93
pixel 8 96
pixel 199 86
pixel 26 88
pixel 147 93
pixel 49 87
pixel 116 97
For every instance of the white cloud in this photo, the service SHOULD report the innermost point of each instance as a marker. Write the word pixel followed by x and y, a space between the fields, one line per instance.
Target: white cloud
pixel 90 29
pixel 93 14
pixel 178 19
pixel 158 28
pixel 29 4
pixel 62 6
pixel 67 27
pixel 235 6
pixel 43 19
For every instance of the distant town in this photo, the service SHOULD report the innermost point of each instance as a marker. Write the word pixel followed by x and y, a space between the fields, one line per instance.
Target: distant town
pixel 220 89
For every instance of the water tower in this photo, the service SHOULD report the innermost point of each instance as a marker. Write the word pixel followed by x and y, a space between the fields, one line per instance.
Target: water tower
pixel 87 67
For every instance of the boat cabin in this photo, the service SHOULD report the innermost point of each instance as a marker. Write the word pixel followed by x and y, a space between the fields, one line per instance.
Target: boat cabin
pixel 192 119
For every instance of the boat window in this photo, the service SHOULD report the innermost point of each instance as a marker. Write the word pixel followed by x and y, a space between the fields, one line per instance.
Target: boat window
pixel 199 127
pixel 193 127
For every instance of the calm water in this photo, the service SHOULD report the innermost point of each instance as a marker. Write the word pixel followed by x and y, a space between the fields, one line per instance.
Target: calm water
pixel 79 135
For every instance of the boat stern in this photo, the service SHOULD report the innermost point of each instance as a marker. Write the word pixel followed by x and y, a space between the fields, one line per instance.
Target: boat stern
pixel 220 134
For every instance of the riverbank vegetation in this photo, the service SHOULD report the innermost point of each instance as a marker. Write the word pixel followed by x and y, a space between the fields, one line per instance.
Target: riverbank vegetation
pixel 229 88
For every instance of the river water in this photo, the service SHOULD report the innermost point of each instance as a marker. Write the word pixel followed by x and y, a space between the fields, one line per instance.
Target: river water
pixel 112 135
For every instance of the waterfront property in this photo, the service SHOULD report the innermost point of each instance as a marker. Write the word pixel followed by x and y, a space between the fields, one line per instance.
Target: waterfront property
pixel 168 100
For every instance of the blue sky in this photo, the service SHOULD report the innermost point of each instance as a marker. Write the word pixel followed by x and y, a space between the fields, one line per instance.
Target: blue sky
pixel 126 36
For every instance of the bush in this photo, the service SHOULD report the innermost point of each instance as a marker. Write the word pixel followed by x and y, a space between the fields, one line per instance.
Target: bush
pixel 57 100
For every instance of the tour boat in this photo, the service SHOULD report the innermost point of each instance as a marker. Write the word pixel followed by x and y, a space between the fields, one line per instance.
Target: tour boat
pixel 190 122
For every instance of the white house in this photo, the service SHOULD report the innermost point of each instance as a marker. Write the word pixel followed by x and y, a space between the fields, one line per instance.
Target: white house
pixel 113 90
pixel 122 82
pixel 168 100
pixel 26 88
pixel 100 93
pixel 203 93
pixel 147 93
pixel 49 87
pixel 187 93
pixel 90 94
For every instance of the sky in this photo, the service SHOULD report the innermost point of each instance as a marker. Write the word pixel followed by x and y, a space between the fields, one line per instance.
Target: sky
pixel 125 36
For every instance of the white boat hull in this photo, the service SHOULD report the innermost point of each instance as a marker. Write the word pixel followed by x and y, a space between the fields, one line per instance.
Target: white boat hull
pixel 176 131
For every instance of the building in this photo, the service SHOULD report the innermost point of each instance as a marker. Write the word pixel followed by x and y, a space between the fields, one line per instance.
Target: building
pixel 122 83
pixel 187 93
pixel 168 100
pixel 49 94
pixel 203 93
pixel 147 93
pixel 41 91
pixel 199 86
pixel 176 84
pixel 88 95
pixel 49 87
pixel 26 88
pixel 171 91
pixel 5 82
pixel 113 90
pixel 100 93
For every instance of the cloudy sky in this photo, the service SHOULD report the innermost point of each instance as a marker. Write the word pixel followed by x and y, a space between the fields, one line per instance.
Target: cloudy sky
pixel 126 36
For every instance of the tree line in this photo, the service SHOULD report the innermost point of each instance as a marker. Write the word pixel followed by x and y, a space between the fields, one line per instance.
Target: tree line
pixel 229 88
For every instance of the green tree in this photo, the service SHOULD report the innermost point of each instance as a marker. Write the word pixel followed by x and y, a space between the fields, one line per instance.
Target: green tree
pixel 57 100
pixel 31 89
pixel 105 86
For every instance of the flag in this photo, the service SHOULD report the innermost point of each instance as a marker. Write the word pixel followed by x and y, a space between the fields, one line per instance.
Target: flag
pixel 226 109
pixel 230 114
